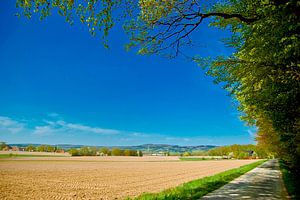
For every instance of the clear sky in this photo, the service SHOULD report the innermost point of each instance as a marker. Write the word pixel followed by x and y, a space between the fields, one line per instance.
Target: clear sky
pixel 58 85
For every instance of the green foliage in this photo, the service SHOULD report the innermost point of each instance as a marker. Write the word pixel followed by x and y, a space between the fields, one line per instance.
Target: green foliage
pixel 264 73
pixel 50 148
pixel 74 152
pixel 105 151
pixel 129 152
pixel 93 151
pixel 126 152
pixel 45 148
pixel 58 149
pixel 30 148
pixel 239 151
pixel 116 152
pixel 83 151
pixel 198 188
pixel 3 145
pixel 42 148
pixel 87 151
pixel 139 153
pixel 186 154
pixel 96 14
pixel 291 180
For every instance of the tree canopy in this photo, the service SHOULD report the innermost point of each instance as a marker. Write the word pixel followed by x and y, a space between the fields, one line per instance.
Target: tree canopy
pixel 262 75
pixel 240 151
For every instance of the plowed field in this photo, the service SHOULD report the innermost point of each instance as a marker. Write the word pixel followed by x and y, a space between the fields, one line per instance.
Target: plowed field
pixel 100 177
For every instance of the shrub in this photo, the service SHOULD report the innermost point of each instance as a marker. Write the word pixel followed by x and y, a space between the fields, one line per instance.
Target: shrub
pixel 3 145
pixel 116 152
pixel 186 154
pixel 74 152
pixel 30 148
pixel 105 151
pixel 127 152
pixel 140 153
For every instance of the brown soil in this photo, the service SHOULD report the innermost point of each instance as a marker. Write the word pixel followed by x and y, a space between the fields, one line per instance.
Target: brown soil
pixel 100 177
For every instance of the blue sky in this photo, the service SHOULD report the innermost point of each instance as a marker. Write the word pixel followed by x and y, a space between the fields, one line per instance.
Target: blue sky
pixel 59 85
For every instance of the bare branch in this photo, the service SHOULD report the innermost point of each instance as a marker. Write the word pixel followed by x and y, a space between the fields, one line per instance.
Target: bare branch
pixel 173 30
pixel 229 16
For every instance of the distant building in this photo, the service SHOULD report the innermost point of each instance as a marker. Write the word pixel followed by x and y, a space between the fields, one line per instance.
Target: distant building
pixel 22 148
pixel 60 151
pixel 250 152
pixel 160 154
pixel 15 148
pixel 7 148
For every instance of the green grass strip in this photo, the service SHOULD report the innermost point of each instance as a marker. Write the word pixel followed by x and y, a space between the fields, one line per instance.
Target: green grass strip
pixel 198 188
pixel 26 155
pixel 291 181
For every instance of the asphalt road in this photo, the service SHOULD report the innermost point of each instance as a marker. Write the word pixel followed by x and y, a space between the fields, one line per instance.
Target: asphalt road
pixel 263 182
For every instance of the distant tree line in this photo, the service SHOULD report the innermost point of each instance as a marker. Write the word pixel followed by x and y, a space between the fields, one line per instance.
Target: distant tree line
pixel 240 151
pixel 234 151
pixel 32 148
pixel 43 148
pixel 104 151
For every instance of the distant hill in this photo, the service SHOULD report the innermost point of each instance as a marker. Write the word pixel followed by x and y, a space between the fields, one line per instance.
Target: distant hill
pixel 150 148
pixel 63 146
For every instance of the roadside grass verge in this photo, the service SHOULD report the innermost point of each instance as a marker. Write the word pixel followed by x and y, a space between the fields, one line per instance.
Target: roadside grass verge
pixel 291 181
pixel 200 187
pixel 10 155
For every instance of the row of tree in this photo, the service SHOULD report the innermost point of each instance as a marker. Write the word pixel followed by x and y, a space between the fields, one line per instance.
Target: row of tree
pixel 32 148
pixel 104 151
pixel 263 75
pixel 43 148
pixel 240 151
pixel 235 151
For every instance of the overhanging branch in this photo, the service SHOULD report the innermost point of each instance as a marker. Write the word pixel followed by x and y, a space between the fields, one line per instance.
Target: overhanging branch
pixel 229 16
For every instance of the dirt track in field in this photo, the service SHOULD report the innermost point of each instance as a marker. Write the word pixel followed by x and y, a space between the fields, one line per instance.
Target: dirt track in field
pixel 100 177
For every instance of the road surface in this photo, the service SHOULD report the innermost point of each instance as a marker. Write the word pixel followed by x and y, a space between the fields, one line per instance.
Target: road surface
pixel 263 182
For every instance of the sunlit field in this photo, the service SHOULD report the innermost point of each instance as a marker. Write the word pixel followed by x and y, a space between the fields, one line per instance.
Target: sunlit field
pixel 100 177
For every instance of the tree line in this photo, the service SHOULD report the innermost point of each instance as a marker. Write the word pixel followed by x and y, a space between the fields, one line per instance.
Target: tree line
pixel 32 148
pixel 104 151
pixel 43 148
pixel 83 151
pixel 240 151
pixel 235 151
